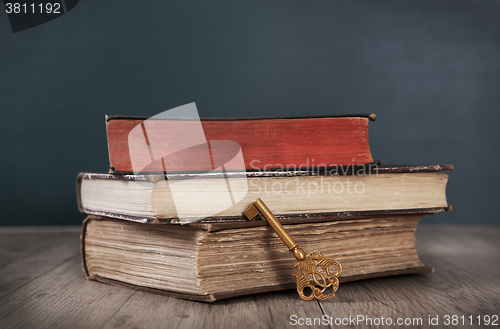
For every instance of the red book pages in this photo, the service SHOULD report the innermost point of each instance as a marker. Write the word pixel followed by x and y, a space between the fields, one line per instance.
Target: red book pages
pixel 278 143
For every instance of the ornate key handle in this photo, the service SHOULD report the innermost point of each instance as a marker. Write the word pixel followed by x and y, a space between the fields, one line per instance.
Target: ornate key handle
pixel 315 272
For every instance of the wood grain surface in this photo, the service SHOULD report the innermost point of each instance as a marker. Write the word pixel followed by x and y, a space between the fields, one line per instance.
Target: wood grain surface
pixel 42 285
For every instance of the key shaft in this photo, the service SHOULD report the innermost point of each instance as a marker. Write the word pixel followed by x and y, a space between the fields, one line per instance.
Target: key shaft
pixel 261 208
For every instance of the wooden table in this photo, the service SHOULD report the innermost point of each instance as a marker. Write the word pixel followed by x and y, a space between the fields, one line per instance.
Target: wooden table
pixel 42 286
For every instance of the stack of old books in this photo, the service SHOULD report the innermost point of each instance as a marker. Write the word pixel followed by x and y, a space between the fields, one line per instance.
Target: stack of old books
pixel 316 174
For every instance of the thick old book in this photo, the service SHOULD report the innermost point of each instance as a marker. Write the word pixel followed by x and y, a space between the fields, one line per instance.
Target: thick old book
pixel 266 143
pixel 148 198
pixel 212 261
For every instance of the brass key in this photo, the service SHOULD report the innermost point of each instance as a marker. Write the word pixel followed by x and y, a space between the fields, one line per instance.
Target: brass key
pixel 307 267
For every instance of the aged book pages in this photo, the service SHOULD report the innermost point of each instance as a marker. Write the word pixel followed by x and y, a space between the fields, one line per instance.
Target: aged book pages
pixel 192 261
pixel 137 198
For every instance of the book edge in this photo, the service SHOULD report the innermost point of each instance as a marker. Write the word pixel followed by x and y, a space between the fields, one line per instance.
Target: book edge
pixel 370 116
pixel 218 223
pixel 220 296
pixel 372 167
pixel 79 179
pixel 82 245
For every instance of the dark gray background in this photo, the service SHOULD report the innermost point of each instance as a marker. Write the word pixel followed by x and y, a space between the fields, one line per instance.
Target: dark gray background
pixel 430 70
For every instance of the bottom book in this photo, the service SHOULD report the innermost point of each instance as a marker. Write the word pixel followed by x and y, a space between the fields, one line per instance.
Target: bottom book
pixel 208 262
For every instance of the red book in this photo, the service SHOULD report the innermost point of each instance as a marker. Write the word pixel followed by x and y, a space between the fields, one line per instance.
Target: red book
pixel 266 143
